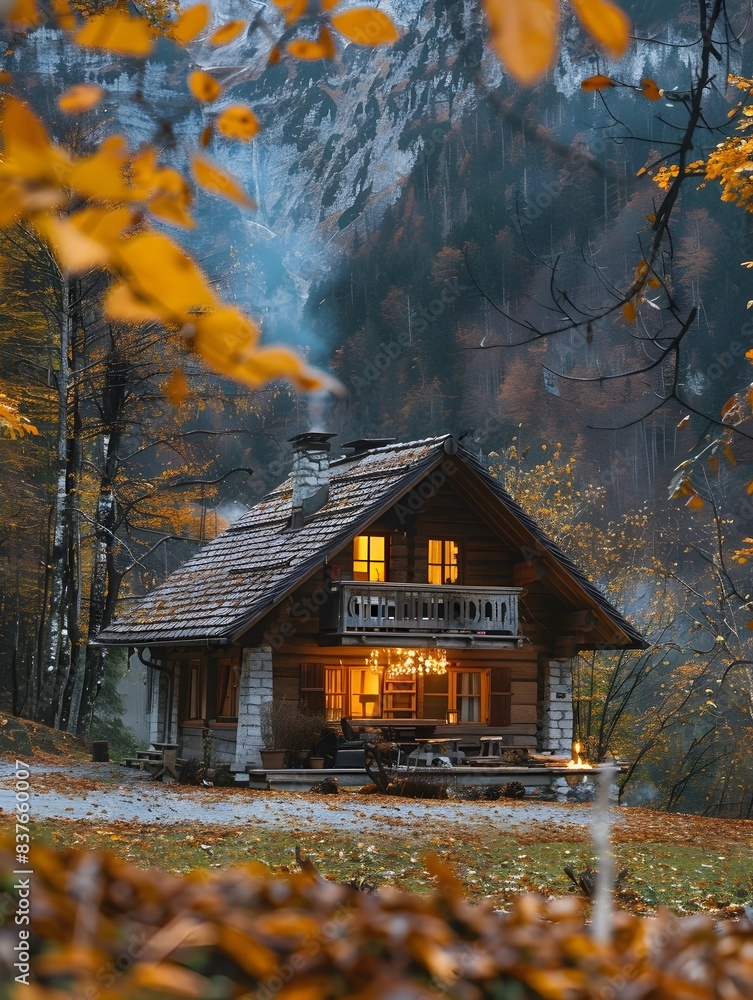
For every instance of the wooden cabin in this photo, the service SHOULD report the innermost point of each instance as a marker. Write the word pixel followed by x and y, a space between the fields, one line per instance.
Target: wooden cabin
pixel 400 582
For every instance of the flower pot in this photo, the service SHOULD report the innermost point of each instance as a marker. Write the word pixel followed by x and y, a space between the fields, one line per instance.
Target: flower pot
pixel 273 760
pixel 316 762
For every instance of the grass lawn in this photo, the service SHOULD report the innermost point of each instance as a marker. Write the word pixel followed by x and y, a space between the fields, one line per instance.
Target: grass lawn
pixel 685 863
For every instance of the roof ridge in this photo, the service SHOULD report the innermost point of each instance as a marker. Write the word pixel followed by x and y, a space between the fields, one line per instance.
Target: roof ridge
pixel 396 446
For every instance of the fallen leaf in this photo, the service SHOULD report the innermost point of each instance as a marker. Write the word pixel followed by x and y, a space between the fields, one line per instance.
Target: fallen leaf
pixel 80 97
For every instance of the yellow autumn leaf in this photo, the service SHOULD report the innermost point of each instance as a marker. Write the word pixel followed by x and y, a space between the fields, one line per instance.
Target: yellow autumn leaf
pixel 171 209
pixel 650 89
pixel 292 9
pixel 729 454
pixel 24 13
pixel 5 76
pixel 203 86
pixel 322 48
pixel 629 312
pixel 750 488
pixel 695 502
pixel 12 421
pixel 729 406
pixel 238 122
pixel 714 463
pixel 524 35
pixel 223 337
pixel 750 395
pixel 190 23
pixel 116 32
pixel 23 133
pixel 366 26
pixel 215 180
pixel 80 97
pixel 227 32
pixel 63 14
pixel 598 82
pixel 749 355
pixel 123 306
pixel 607 24
pixel 750 625
pixel 165 278
pixel 176 389
pixel 101 176
pixel 86 239
pixel 169 979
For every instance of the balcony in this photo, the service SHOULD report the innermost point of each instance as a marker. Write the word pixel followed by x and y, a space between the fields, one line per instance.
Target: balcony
pixel 383 613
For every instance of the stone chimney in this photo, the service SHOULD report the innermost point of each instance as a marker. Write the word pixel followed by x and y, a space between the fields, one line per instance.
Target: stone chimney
pixel 310 475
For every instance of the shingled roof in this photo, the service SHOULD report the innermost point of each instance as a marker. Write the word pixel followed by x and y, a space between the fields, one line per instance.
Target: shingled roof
pixel 236 579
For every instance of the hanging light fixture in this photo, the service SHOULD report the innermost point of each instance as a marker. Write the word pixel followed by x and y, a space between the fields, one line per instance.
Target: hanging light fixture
pixel 394 662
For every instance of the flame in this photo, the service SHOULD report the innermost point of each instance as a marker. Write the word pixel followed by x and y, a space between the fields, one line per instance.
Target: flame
pixel 577 760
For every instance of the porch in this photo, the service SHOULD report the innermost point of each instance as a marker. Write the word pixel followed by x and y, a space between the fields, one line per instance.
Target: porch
pixel 544 779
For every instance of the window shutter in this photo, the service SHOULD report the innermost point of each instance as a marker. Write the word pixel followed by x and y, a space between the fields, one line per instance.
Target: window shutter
pixel 312 688
pixel 500 696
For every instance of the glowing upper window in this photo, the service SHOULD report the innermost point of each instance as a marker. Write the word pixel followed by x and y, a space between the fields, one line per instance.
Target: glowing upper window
pixel 443 561
pixel 370 557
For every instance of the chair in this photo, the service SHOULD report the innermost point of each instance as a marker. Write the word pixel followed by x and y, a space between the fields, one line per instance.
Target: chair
pixel 351 749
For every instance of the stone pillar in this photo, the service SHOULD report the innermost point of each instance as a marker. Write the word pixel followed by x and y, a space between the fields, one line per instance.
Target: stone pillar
pixel 255 688
pixel 557 716
pixel 159 705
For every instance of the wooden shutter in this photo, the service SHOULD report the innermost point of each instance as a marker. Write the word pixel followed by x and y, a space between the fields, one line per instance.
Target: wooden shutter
pixel 312 688
pixel 500 696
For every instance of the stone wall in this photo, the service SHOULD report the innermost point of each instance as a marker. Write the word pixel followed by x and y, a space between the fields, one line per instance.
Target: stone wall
pixel 557 716
pixel 255 688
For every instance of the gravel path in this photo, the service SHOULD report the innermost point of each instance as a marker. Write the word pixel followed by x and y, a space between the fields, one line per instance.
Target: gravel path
pixel 109 792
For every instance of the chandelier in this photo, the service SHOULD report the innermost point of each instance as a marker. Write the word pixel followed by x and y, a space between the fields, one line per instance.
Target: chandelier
pixel 396 662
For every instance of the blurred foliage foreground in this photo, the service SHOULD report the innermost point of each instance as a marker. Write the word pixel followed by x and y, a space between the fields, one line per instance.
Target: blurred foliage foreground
pixel 100 929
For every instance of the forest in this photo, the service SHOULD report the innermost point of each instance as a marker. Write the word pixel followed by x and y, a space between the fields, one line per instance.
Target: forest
pixel 541 247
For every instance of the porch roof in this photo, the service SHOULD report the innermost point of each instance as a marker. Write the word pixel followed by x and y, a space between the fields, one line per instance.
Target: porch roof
pixel 236 579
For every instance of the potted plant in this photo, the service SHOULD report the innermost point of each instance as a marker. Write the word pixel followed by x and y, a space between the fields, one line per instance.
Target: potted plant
pixel 286 730
pixel 273 750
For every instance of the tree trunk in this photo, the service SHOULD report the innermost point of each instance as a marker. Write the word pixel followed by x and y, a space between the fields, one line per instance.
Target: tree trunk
pixel 54 646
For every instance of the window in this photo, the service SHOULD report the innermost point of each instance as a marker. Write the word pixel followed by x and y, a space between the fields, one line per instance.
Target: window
pixel 334 693
pixel 468 695
pixel 443 561
pixel 364 693
pixel 370 557
pixel 195 692
pixel 227 689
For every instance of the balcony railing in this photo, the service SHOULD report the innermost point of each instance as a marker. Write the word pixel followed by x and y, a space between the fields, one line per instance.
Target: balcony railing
pixel 407 608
